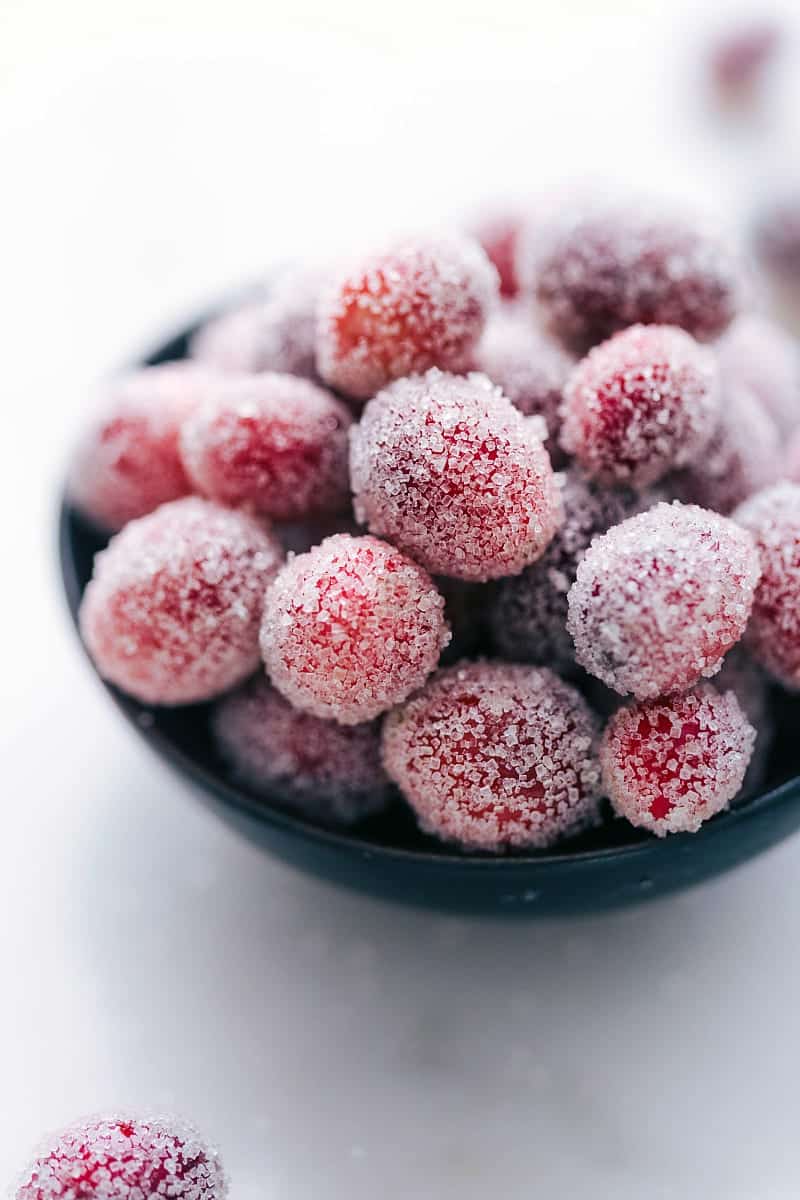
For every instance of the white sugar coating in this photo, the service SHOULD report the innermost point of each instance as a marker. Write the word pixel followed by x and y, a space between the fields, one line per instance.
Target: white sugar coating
pixel 270 441
pixel 351 628
pixel 640 405
pixel 272 334
pixel 171 614
pixel 669 765
pixel 329 772
pixel 417 304
pixel 530 368
pixel 128 463
pixel 758 354
pixel 125 1157
pixel 660 599
pixel 741 675
pixel 528 612
pixel 773 636
pixel 447 469
pixel 496 756
pixel 742 456
pixel 602 267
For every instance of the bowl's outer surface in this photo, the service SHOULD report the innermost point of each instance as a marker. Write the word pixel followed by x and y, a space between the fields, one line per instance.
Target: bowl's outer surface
pixel 388 857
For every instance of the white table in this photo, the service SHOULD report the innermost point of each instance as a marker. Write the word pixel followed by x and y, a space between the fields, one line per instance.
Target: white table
pixel 336 1048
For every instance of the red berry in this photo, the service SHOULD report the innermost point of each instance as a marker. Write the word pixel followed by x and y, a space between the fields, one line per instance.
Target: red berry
pixel 273 442
pixel 603 270
pixel 528 612
pixel 329 772
pixel 660 599
pixel 741 457
pixel 741 55
pixel 172 612
pixel 640 405
pixel 668 765
pixel 129 463
pixel 495 756
pixel 773 635
pixel 273 334
pixel 530 369
pixel 417 305
pixel 761 356
pixel 125 1158
pixel 351 628
pixel 451 472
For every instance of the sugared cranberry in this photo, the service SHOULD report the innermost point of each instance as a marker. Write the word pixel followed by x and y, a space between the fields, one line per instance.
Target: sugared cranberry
pixel 495 756
pixel 773 635
pixel 660 599
pixel 128 463
pixel 640 405
pixel 125 1158
pixel 172 612
pixel 273 442
pixel 419 304
pixel 351 628
pixel 450 471
pixel 669 765
pixel 740 56
pixel 759 355
pixel 329 772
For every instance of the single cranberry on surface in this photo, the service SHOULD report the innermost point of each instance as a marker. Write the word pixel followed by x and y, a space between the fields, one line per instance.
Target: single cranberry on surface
pixel 671 764
pixel 351 628
pixel 420 303
pixel 125 1158
pixel 496 756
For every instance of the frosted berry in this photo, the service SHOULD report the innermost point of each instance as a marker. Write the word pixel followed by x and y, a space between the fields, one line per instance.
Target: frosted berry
pixel 272 442
pixel 528 612
pixel 418 304
pixel 171 614
pixel 447 469
pixel 740 56
pixel 275 333
pixel 660 599
pixel 640 405
pixel 530 369
pixel 496 756
pixel 602 270
pixel 128 462
pixel 351 628
pixel 125 1158
pixel 773 636
pixel 669 765
pixel 742 456
pixel 759 355
pixel 329 772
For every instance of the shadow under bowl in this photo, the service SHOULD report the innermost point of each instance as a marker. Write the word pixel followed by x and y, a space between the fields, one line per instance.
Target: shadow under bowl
pixel 387 855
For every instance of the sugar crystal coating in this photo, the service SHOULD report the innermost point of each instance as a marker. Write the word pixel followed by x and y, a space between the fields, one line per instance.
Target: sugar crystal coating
pixel 669 765
pixel 759 355
pixel 496 756
pixel 640 405
pixel 329 772
pixel 528 612
pixel 447 469
pixel 659 599
pixel 276 333
pixel 128 462
pixel 741 457
pixel 171 614
pixel 419 304
pixel 530 368
pixel 610 266
pixel 270 441
pixel 351 628
pixel 773 635
pixel 125 1157
pixel 749 682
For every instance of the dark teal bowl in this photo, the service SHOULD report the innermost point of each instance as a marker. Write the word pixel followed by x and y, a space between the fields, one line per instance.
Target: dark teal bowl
pixel 387 856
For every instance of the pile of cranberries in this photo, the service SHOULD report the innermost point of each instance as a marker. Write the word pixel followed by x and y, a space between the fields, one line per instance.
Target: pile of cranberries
pixel 411 525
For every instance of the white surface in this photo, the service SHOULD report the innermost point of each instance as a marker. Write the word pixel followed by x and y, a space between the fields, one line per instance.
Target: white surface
pixel 334 1047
